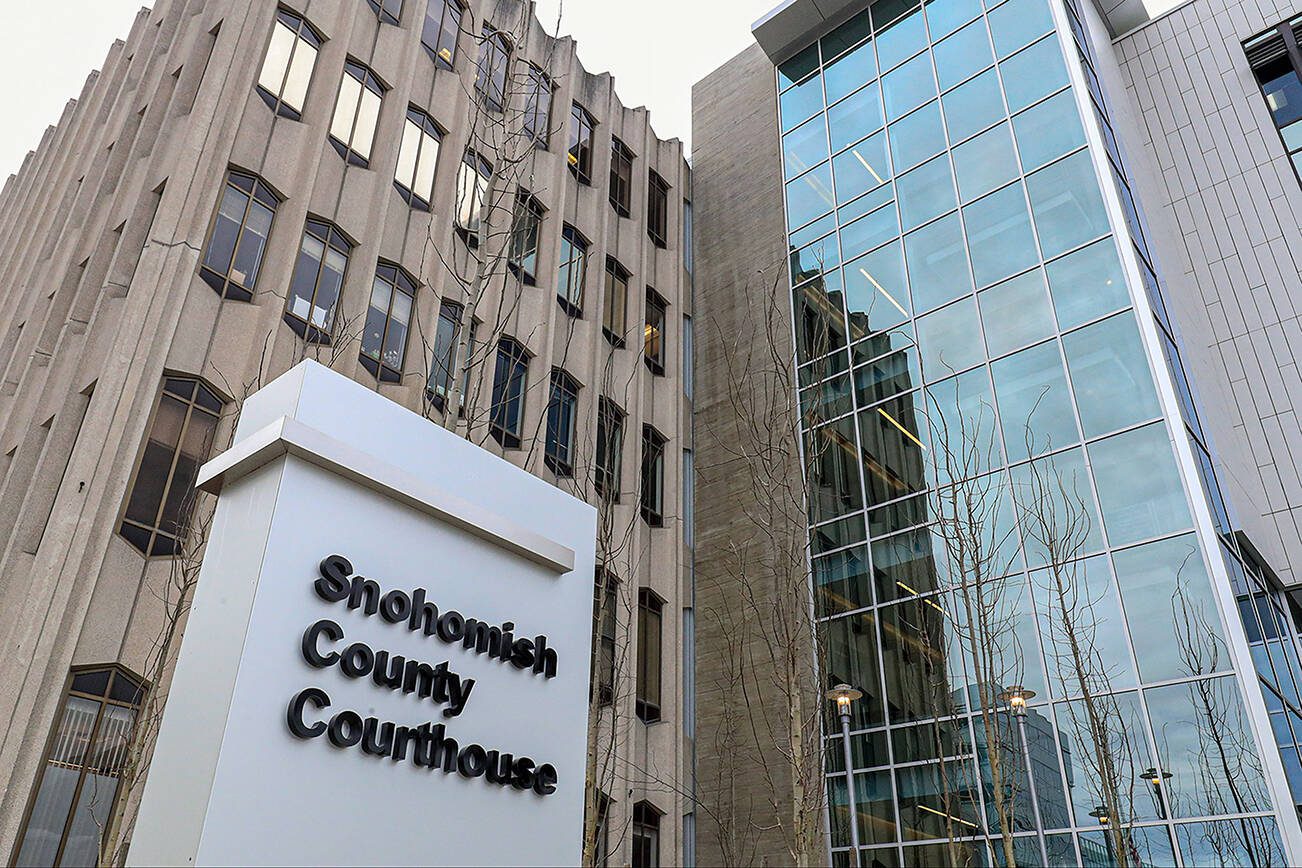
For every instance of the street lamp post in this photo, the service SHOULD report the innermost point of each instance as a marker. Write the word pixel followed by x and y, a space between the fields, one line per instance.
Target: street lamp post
pixel 1156 779
pixel 1016 696
pixel 843 695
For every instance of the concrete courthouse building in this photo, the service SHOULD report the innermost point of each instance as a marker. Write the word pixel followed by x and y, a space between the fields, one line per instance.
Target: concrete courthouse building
pixel 1043 262
pixel 431 197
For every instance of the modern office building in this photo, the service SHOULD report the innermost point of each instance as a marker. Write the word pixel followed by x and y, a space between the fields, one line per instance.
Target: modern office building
pixel 1038 260
pixel 433 198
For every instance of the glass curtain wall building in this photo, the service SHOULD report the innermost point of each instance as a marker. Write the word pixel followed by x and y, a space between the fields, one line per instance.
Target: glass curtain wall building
pixel 1011 496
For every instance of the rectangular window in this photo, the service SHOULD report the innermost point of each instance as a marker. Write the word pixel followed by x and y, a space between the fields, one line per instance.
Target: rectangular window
pixel 689 499
pixel 418 157
pixel 494 58
pixel 605 620
pixel 162 492
pixel 472 190
pixel 317 281
pixel 653 476
pixel 612 315
pixel 608 472
pixel 388 11
pixel 689 364
pixel 357 111
pixel 524 237
pixel 1277 64
pixel 580 152
pixel 538 107
pixel 77 786
pixel 562 416
pixel 646 836
pixel 653 346
pixel 439 35
pixel 649 613
pixel 657 210
pixel 573 271
pixel 621 177
pixel 688 262
pixel 388 318
pixel 287 68
pixel 443 366
pixel 238 239
pixel 601 847
pixel 506 416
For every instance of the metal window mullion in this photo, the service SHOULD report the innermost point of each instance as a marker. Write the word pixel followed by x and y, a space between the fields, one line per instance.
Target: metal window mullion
pixel 156 529
pixel 81 777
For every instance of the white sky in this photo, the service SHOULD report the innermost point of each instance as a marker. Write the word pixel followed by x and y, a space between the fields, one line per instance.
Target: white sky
pixel 656 49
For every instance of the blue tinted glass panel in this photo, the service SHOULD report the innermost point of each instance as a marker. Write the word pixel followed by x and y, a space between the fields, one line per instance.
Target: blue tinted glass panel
pixel 809 196
pixel 1110 374
pixel 865 204
pixel 938 270
pixel 908 87
pixel 1139 486
pixel 949 340
pixel 963 55
pixel 898 37
pixel 876 294
pixel 798 67
pixel 1034 406
pixel 1067 204
pixel 1033 73
pixel 1049 479
pixel 1018 23
pixel 869 232
pixel 849 72
pixel 973 106
pixel 917 138
pixel 946 16
pixel 1087 284
pixel 853 118
pixel 804 147
pixel 985 163
pixel 801 101
pixel 926 192
pixel 1048 130
pixel 1015 313
pixel 999 235
pixel 862 168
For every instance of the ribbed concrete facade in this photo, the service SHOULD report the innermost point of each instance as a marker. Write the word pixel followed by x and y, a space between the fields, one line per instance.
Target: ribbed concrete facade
pixel 101 238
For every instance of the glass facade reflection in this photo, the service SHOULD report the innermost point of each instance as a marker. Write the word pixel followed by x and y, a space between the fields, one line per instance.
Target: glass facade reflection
pixel 997 505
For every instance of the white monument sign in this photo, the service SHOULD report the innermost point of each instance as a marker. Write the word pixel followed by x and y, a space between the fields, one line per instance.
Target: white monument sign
pixel 387 659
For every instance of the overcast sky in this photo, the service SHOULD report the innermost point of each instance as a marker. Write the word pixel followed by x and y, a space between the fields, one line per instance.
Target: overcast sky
pixel 655 49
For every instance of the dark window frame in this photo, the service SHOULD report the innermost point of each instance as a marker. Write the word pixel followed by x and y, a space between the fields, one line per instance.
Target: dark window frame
pixel 332 238
pixel 525 240
pixel 161 536
pixel 562 400
pixel 512 354
pixel 438 384
pixel 493 67
pixel 254 189
pixel 608 470
pixel 651 489
pixel 483 170
pixel 1270 56
pixel 537 115
pixel 605 630
pixel 583 128
pixel 448 9
pixel 621 177
pixel 396 278
pixel 569 289
pixel 383 10
pixel 657 209
pixel 369 81
pixel 79 684
pixel 650 666
pixel 305 32
pixel 428 127
pixel 616 275
pixel 656 324
pixel 646 835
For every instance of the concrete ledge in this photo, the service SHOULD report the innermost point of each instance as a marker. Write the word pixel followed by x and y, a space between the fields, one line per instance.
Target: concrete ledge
pixel 287 436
